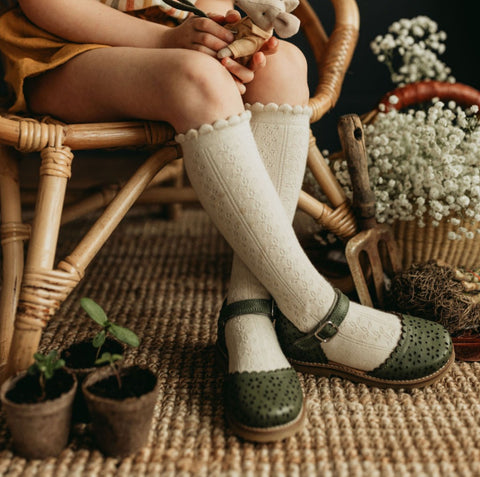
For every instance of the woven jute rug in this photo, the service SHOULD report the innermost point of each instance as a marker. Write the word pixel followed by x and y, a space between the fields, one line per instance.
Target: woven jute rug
pixel 166 280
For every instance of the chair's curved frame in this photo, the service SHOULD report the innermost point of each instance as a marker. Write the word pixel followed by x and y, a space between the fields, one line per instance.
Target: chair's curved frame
pixel 31 294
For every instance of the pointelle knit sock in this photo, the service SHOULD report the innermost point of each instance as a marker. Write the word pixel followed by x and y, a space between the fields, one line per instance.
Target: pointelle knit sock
pixel 234 187
pixel 281 134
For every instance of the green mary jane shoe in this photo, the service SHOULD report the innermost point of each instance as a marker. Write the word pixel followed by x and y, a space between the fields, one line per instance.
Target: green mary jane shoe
pixel 423 355
pixel 262 406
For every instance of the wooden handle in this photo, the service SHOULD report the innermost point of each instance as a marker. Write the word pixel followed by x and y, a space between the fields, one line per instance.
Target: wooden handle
pixel 351 135
pixel 422 91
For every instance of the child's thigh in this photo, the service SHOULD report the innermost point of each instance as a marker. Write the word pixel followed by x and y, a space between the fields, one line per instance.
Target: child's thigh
pixel 115 83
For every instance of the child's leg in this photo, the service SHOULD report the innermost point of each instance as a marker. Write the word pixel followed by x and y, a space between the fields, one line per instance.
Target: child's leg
pixel 183 87
pixel 223 163
pixel 282 134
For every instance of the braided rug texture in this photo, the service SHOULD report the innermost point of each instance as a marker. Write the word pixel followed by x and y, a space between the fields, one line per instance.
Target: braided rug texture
pixel 166 280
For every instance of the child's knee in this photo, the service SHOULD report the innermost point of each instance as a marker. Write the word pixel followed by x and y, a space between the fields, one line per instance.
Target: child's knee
pixel 290 62
pixel 202 91
pixel 203 78
pixel 283 79
pixel 294 56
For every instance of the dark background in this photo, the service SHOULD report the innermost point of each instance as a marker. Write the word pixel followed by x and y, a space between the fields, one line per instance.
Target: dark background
pixel 367 80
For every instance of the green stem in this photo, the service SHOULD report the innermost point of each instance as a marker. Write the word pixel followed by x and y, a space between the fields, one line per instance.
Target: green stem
pixel 117 375
pixel 42 382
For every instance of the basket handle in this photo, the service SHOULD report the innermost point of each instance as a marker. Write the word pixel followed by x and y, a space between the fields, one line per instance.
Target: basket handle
pixel 421 91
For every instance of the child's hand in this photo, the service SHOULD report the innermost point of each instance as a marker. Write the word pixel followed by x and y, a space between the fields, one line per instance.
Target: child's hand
pixel 231 16
pixel 245 74
pixel 198 33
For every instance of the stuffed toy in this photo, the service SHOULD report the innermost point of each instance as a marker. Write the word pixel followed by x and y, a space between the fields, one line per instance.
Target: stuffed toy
pixel 263 18
pixel 251 32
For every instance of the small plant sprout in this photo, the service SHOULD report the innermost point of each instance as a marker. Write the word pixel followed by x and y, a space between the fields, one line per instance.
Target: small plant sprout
pixel 111 359
pixel 97 314
pixel 44 367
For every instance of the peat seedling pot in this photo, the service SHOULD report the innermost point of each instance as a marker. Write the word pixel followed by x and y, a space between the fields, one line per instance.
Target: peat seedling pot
pixel 39 427
pixel 80 360
pixel 121 417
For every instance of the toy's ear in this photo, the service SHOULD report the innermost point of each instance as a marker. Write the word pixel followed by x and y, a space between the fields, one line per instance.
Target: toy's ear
pixel 286 25
pixel 290 5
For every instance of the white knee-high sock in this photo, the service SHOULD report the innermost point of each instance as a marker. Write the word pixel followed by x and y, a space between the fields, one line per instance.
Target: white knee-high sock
pixel 282 135
pixel 227 172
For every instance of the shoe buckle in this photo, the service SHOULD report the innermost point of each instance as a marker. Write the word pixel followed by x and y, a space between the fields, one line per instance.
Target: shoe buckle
pixel 318 331
pixel 273 310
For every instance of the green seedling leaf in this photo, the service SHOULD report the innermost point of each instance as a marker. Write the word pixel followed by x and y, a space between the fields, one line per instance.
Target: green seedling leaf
pixel 99 339
pixel 124 335
pixel 60 363
pixel 111 359
pixel 108 358
pixel 94 311
pixel 49 372
pixel 44 367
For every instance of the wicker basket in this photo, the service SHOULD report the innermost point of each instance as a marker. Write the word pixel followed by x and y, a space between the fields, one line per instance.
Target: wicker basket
pixel 420 244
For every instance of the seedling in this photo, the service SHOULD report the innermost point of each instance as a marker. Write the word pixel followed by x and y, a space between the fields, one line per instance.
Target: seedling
pixel 44 367
pixel 97 314
pixel 112 360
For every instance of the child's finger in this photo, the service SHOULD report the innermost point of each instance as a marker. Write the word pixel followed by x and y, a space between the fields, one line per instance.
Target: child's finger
pixel 258 61
pixel 216 17
pixel 270 46
pixel 241 87
pixel 242 73
pixel 207 26
pixel 232 16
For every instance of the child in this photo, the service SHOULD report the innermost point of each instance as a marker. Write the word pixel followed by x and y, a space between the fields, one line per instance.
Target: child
pixel 244 134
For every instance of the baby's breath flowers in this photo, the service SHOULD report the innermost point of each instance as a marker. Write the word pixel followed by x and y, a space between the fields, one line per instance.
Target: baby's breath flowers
pixel 423 162
pixel 410 50
pixel 423 165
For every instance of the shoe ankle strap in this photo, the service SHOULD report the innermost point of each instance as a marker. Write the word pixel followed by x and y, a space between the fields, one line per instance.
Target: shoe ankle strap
pixel 255 306
pixel 328 327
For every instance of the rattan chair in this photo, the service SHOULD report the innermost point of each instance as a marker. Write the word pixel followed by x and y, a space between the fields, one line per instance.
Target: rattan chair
pixel 32 294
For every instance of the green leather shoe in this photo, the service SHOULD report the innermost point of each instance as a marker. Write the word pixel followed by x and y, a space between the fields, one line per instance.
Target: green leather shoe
pixel 423 355
pixel 260 406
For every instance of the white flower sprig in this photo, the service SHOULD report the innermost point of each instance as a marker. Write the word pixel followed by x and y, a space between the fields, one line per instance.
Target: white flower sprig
pixel 410 50
pixel 423 164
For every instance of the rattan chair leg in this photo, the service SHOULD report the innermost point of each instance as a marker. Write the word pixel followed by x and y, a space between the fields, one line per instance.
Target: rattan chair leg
pixel 324 175
pixel 92 203
pixel 44 289
pixel 339 219
pixel 101 230
pixel 13 232
pixel 40 292
pixel 175 208
pixel 172 172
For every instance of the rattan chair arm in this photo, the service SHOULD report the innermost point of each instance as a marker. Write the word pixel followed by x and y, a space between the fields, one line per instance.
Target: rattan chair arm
pixel 29 135
pixel 334 58
pixel 9 131
pixel 117 134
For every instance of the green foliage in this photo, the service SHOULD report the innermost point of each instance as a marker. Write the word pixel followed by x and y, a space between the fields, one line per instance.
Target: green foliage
pixel 97 314
pixel 111 359
pixel 44 367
